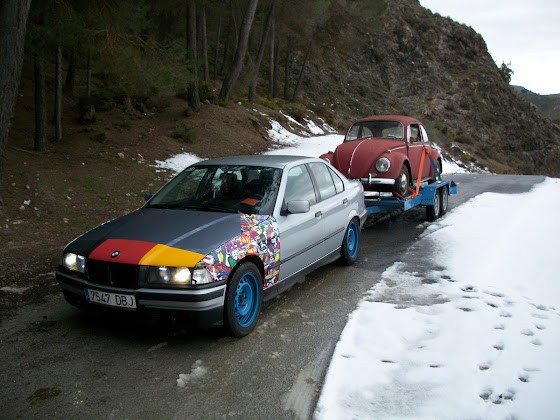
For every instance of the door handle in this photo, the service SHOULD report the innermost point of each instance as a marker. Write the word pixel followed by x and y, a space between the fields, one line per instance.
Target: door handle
pixel 318 214
pixel 345 201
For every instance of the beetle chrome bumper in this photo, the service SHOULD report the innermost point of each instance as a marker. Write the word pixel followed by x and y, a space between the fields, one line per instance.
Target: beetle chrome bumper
pixel 377 181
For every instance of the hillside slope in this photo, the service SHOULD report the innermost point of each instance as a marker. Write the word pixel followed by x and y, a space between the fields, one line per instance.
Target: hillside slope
pixel 549 105
pixel 401 58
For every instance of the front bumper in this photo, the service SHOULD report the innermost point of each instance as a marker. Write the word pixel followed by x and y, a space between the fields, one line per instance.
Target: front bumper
pixel 376 181
pixel 205 305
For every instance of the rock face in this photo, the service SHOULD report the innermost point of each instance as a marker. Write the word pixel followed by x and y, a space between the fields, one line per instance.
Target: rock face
pixel 380 57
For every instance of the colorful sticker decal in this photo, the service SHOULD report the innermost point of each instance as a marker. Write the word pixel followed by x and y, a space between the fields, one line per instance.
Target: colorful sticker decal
pixel 259 236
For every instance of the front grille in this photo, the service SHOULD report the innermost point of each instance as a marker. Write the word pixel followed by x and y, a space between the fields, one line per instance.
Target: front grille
pixel 112 274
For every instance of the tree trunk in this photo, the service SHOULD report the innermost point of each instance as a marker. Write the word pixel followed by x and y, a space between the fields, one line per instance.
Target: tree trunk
pixel 88 78
pixel 70 79
pixel 192 90
pixel 253 87
pixel 203 42
pixel 40 107
pixel 300 78
pixel 233 75
pixel 271 64
pixel 287 72
pixel 217 48
pixel 58 94
pixel 275 71
pixel 13 18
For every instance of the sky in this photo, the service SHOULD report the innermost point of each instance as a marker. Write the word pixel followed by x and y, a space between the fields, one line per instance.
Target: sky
pixel 521 32
pixel 473 332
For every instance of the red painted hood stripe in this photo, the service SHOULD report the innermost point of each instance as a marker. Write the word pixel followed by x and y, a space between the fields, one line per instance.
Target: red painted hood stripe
pixel 129 252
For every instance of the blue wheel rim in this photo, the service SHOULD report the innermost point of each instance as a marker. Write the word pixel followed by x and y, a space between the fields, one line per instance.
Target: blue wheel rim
pixel 247 300
pixel 352 240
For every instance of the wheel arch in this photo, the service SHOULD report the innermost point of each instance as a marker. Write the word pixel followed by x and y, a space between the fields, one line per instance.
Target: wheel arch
pixel 249 258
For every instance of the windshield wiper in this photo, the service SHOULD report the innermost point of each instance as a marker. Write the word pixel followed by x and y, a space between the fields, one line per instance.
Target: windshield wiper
pixel 163 206
pixel 206 207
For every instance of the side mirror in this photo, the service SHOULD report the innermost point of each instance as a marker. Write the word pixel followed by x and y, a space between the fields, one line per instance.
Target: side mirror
pixel 148 195
pixel 298 206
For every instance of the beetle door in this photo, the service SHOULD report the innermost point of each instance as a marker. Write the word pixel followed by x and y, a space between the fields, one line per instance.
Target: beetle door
pixel 417 139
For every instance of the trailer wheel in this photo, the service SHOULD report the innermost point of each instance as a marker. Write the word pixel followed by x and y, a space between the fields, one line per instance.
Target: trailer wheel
pixel 402 182
pixel 434 211
pixel 444 201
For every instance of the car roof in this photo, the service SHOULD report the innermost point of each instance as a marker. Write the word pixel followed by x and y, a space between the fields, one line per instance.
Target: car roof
pixel 272 161
pixel 403 119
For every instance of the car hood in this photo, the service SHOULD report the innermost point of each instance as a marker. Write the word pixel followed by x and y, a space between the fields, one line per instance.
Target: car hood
pixel 152 236
pixel 355 158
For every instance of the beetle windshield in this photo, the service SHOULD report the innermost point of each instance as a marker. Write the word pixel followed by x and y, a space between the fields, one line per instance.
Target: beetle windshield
pixel 377 129
pixel 229 188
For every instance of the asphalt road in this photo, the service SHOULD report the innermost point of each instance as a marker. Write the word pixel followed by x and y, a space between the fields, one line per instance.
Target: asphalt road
pixel 57 362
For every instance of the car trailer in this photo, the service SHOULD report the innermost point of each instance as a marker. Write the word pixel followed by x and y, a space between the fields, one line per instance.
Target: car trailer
pixel 434 196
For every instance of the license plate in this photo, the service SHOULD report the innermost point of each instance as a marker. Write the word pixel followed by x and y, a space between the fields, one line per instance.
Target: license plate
pixel 110 299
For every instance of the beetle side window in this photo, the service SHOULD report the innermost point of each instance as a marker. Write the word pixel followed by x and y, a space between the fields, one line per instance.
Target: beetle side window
pixel 424 135
pixel 299 186
pixel 324 180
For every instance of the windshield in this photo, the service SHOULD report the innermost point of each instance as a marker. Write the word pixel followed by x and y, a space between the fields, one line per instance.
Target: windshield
pixel 376 129
pixel 231 188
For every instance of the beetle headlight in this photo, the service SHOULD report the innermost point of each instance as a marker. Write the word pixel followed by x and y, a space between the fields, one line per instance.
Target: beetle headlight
pixel 178 276
pixel 382 165
pixel 74 262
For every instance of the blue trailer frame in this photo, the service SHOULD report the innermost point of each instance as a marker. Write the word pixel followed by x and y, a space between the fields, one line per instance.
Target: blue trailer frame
pixel 421 196
pixel 426 197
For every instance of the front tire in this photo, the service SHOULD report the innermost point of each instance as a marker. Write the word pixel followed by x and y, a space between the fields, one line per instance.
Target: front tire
pixel 351 243
pixel 401 183
pixel 243 300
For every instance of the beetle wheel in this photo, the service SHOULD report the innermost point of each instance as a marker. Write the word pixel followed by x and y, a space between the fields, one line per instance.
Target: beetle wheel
pixel 402 182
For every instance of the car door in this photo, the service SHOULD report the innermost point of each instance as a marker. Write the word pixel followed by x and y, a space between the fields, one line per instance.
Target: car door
pixel 333 206
pixel 301 235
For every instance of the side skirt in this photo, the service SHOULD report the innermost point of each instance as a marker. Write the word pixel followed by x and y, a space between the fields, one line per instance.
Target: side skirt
pixel 285 284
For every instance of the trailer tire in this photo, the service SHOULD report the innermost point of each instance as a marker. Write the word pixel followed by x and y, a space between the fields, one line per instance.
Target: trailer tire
pixel 434 211
pixel 444 200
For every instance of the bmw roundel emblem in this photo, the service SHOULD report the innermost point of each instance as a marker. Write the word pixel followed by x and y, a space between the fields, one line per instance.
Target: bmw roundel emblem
pixel 115 254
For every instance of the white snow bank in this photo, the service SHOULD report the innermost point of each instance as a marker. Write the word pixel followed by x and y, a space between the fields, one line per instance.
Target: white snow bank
pixel 474 336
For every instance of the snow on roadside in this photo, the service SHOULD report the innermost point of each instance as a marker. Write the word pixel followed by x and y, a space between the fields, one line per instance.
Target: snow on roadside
pixel 474 336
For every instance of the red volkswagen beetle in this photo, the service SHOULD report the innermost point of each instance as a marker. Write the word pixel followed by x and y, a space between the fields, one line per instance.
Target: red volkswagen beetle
pixel 385 153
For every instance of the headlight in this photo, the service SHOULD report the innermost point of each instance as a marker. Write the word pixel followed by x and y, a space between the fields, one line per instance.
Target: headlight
pixel 179 276
pixel 383 165
pixel 74 262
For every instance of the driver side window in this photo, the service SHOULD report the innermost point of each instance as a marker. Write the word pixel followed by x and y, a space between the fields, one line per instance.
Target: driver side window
pixel 299 186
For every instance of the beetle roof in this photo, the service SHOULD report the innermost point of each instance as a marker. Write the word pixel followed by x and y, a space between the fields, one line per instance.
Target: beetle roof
pixel 403 119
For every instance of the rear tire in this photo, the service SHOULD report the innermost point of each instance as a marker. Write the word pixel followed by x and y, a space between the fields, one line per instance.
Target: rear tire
pixel 351 243
pixel 434 211
pixel 243 300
